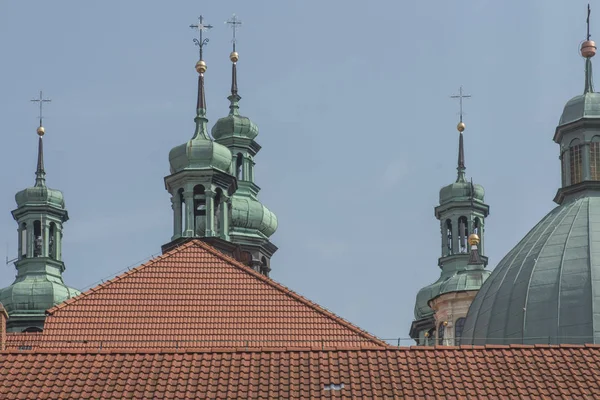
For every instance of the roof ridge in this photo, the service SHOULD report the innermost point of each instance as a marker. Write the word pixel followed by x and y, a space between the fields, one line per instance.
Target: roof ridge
pixel 287 291
pixel 292 349
pixel 117 278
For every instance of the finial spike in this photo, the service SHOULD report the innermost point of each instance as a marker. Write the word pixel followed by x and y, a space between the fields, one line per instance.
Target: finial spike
pixel 234 98
pixel 588 22
pixel 201 41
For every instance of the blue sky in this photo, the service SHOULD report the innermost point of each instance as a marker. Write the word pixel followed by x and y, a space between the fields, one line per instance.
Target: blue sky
pixel 356 124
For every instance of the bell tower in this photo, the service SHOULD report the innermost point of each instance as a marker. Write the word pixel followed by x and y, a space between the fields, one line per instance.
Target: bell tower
pixel 40 215
pixel 200 183
pixel 252 223
pixel 461 213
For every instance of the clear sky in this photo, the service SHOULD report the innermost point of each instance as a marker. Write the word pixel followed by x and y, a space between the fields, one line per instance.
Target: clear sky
pixel 356 124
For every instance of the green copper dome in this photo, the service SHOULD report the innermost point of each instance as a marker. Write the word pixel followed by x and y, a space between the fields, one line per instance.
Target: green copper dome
pixel 461 190
pixel 470 278
pixel 583 106
pixel 249 213
pixel 33 294
pixel 40 195
pixel 586 105
pixel 234 126
pixel 422 309
pixel 547 288
pixel 200 152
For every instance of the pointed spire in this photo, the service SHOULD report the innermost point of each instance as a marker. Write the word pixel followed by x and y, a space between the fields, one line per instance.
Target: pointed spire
pixel 461 127
pixel 40 174
pixel 234 98
pixel 201 41
pixel 588 50
pixel 461 160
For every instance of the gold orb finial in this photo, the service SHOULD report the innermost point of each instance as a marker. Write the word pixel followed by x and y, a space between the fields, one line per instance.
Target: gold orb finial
pixel 461 126
pixel 426 334
pixel 588 49
pixel 473 239
pixel 445 323
pixel 234 56
pixel 201 67
pixel 41 131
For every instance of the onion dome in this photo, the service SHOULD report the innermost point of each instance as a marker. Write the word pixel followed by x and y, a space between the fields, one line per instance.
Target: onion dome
pixel 40 194
pixel 200 151
pixel 461 189
pixel 234 125
pixel 33 295
pixel 422 309
pixel 249 213
pixel 586 105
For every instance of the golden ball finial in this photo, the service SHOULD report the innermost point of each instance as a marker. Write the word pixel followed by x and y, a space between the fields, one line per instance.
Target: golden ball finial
pixel 426 334
pixel 588 49
pixel 461 126
pixel 201 67
pixel 234 56
pixel 41 131
pixel 473 239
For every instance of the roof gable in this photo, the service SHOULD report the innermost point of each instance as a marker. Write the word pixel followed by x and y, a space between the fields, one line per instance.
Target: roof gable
pixel 194 296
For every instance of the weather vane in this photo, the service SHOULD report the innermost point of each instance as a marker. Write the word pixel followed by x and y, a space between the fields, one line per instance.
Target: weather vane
pixel 235 23
pixel 41 100
pixel 588 21
pixel 460 96
pixel 201 27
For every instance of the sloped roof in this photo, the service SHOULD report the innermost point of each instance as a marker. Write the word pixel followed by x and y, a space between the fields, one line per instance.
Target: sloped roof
pixel 531 372
pixel 194 296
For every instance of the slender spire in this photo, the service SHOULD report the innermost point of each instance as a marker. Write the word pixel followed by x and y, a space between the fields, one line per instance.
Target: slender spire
pixel 201 41
pixel 234 98
pixel 588 50
pixel 40 174
pixel 461 127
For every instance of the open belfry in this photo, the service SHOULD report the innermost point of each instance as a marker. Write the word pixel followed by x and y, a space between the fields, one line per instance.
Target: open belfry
pixel 205 319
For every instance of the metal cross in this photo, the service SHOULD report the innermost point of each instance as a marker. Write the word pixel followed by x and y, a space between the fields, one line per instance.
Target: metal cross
pixel 235 23
pixel 588 22
pixel 460 96
pixel 201 27
pixel 41 100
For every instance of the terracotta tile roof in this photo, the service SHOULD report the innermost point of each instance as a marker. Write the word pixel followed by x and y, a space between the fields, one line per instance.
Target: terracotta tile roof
pixel 492 372
pixel 22 340
pixel 194 296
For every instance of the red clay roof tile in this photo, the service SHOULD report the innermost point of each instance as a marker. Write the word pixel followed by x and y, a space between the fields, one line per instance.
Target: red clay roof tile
pixel 194 296
pixel 340 373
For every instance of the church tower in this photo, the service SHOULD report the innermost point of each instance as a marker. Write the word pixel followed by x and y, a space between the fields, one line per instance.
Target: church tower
pixel 200 183
pixel 251 222
pixel 441 307
pixel 40 215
